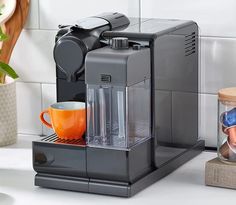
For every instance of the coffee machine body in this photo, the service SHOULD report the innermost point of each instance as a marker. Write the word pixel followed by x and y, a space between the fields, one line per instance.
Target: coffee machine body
pixel 140 85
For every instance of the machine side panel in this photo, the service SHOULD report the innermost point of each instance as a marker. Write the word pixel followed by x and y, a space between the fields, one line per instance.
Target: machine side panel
pixel 176 60
pixel 175 97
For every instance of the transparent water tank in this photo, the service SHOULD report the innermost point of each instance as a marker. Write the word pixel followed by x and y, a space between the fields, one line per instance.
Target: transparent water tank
pixel 118 116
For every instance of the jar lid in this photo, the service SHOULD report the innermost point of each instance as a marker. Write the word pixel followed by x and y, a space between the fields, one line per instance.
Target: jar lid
pixel 227 94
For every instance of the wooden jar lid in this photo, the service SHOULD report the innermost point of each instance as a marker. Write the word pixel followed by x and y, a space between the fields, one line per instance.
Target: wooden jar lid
pixel 227 96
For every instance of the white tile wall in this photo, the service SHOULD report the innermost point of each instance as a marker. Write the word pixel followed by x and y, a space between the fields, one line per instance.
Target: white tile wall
pixel 218 57
pixel 28 108
pixel 53 13
pixel 208 119
pixel 48 98
pixel 33 18
pixel 134 8
pixel 32 57
pixel 215 17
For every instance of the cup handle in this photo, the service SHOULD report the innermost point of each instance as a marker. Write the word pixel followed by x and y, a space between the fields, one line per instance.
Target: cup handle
pixel 43 120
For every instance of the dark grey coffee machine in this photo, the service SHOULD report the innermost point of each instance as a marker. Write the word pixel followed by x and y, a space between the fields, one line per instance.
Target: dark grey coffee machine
pixel 139 79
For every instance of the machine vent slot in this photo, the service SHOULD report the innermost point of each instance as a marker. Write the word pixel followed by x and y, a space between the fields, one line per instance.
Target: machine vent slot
pixel 190 44
pixel 54 139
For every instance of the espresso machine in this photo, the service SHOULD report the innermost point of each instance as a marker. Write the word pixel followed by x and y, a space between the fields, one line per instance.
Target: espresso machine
pixel 139 79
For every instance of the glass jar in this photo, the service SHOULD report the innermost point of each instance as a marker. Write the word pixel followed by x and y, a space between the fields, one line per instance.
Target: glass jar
pixel 226 147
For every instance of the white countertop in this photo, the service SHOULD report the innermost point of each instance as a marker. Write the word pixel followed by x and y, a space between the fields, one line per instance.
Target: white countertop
pixel 184 186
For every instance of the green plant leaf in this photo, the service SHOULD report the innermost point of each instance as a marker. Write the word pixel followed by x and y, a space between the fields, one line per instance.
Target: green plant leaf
pixel 8 70
pixel 3 36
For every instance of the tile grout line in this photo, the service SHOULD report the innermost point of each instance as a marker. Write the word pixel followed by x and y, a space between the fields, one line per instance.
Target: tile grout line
pixel 40 29
pixel 30 134
pixel 214 94
pixel 139 10
pixel 49 83
pixel 41 93
pixel 36 82
pixel 223 37
pixel 38 14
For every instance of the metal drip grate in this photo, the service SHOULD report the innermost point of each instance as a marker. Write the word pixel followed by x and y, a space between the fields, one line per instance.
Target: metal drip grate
pixel 54 139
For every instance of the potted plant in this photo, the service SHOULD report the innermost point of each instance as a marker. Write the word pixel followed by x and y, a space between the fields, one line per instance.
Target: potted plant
pixel 13 15
pixel 8 118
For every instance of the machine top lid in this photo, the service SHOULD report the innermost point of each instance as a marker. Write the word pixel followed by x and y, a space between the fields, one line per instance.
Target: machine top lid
pixel 91 23
pixel 147 29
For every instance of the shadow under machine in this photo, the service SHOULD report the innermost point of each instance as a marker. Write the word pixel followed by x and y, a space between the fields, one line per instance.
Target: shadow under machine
pixel 139 79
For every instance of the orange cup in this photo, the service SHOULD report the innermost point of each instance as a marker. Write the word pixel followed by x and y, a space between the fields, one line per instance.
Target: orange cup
pixel 68 119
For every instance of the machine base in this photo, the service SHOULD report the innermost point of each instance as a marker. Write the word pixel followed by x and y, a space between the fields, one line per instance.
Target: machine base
pixel 115 188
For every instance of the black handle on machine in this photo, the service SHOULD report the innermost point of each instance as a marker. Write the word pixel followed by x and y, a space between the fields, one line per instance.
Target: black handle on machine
pixel 73 42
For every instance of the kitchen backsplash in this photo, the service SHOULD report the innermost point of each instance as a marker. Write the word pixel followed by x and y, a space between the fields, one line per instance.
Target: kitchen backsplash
pixel 32 57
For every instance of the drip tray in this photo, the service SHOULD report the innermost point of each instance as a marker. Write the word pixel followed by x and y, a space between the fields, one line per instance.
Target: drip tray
pixel 56 140
pixel 52 155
